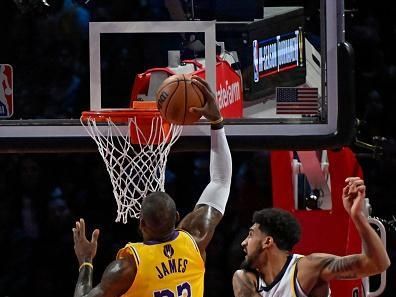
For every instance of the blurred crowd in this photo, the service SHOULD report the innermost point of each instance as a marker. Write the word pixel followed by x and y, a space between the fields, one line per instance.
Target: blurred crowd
pixel 42 195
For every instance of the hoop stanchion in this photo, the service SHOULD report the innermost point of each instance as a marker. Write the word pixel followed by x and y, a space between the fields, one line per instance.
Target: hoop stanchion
pixel 134 144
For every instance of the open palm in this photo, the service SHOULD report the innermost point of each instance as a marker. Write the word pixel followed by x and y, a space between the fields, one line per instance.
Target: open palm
pixel 85 250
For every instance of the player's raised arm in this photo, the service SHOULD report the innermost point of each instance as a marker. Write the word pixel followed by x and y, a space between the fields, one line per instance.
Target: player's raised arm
pixel 373 259
pixel 202 221
pixel 116 279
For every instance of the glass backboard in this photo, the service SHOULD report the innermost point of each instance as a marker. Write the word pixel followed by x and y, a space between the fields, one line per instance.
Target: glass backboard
pixel 293 66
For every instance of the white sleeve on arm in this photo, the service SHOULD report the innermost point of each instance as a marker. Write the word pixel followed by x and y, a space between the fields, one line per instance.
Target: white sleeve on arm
pixel 217 191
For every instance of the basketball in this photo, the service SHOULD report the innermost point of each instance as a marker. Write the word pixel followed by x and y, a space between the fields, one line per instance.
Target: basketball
pixel 174 98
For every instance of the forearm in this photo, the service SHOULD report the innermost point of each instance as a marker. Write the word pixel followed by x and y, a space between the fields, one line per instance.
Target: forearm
pixel 220 157
pixel 373 248
pixel 217 191
pixel 84 282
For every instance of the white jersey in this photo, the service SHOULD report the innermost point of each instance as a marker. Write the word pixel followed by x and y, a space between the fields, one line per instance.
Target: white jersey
pixel 285 284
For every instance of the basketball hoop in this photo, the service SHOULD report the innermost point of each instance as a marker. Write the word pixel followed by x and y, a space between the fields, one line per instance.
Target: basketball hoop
pixel 134 144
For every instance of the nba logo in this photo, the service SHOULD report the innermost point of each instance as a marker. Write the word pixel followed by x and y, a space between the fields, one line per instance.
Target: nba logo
pixel 256 76
pixel 6 91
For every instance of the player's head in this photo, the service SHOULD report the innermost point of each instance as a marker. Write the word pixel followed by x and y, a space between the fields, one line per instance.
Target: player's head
pixel 272 228
pixel 158 215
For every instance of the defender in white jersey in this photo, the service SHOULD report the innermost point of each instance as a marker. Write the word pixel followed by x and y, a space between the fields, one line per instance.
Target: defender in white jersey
pixel 270 270
pixel 285 283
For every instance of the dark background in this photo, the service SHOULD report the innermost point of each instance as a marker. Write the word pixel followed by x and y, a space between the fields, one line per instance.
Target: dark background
pixel 41 195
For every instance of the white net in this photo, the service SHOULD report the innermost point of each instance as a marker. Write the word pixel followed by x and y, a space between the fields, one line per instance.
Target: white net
pixel 135 169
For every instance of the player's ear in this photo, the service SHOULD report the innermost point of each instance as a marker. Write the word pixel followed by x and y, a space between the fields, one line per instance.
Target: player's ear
pixel 142 223
pixel 177 217
pixel 267 242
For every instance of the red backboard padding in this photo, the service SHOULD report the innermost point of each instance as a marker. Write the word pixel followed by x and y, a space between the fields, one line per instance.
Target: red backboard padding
pixel 325 231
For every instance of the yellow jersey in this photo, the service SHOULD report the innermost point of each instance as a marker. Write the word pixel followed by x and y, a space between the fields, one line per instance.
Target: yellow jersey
pixel 174 268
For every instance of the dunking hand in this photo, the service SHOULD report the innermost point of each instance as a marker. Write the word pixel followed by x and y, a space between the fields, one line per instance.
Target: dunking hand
pixel 210 110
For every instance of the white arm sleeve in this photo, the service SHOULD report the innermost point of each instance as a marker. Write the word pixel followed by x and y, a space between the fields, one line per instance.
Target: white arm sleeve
pixel 217 191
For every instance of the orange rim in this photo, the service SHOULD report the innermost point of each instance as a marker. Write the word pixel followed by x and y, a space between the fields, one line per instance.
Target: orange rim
pixel 119 115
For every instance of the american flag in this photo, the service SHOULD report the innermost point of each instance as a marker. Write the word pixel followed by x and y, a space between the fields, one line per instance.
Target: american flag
pixel 297 101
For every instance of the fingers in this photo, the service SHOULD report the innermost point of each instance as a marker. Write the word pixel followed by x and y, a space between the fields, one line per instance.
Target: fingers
pixel 82 230
pixel 203 86
pixel 201 80
pixel 196 109
pixel 355 186
pixel 210 110
pixel 79 230
pixel 345 191
pixel 361 189
pixel 353 179
pixel 95 236
pixel 354 183
pixel 74 234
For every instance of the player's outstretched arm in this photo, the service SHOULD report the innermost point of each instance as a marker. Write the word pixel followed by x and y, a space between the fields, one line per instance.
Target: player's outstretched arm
pixel 244 284
pixel 373 259
pixel 202 221
pixel 118 276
